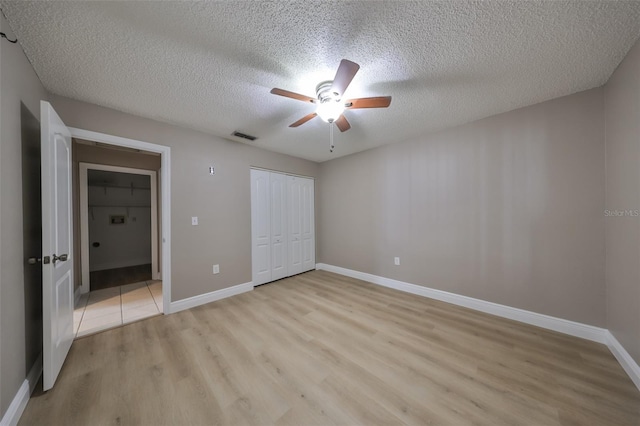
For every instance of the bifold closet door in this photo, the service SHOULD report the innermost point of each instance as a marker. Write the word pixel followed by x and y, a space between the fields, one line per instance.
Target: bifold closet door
pixel 278 188
pixel 301 225
pixel 282 226
pixel 260 227
pixel 308 226
pixel 295 225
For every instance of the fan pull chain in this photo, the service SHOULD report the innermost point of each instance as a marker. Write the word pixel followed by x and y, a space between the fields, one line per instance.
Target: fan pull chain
pixel 331 146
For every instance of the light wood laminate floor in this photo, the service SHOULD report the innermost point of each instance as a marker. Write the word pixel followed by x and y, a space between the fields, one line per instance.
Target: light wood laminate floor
pixel 323 349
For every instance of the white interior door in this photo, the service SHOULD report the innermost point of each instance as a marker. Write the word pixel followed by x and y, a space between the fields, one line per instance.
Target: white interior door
pixel 307 224
pixel 57 248
pixel 278 184
pixel 295 224
pixel 260 227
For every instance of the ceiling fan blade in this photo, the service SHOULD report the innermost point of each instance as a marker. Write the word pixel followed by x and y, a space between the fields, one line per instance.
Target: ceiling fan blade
pixel 303 119
pixel 342 123
pixel 292 95
pixel 346 71
pixel 377 102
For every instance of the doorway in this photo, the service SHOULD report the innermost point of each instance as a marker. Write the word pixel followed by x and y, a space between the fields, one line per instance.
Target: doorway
pixel 120 233
pixel 119 247
pixel 118 226
pixel 120 213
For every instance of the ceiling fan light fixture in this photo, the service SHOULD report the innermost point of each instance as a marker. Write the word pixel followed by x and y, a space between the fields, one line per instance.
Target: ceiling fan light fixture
pixel 329 95
pixel 330 109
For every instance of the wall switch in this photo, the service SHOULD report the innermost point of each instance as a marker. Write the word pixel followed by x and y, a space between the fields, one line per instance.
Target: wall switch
pixel 194 220
pixel 396 260
pixel 216 269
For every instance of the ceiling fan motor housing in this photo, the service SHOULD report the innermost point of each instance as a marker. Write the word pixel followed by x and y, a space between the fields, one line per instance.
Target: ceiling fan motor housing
pixel 324 93
pixel 329 107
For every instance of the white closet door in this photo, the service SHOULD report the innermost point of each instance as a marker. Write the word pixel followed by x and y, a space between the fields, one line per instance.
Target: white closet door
pixel 295 225
pixel 278 184
pixel 282 226
pixel 260 227
pixel 307 223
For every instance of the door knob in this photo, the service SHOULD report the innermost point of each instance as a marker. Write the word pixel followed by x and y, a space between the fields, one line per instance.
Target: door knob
pixel 34 260
pixel 62 258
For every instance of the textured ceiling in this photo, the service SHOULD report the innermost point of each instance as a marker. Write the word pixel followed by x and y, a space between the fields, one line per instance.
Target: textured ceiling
pixel 210 65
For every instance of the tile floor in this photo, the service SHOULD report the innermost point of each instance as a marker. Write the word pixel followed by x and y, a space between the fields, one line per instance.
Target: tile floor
pixel 112 307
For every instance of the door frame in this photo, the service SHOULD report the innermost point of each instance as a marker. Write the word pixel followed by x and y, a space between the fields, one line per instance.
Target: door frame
pixel 165 188
pixel 84 217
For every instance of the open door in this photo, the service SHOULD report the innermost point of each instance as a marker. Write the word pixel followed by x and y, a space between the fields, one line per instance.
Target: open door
pixel 57 249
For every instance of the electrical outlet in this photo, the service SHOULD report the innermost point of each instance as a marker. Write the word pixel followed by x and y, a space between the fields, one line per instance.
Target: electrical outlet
pixel 216 269
pixel 396 260
pixel 194 220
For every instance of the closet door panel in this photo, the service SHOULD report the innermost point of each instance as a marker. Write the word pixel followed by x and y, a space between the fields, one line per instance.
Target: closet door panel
pixel 278 219
pixel 260 227
pixel 295 224
pixel 307 225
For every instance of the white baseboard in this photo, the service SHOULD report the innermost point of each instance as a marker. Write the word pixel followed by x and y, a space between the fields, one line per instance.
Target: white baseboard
pixel 19 403
pixel 626 361
pixel 202 299
pixel 572 328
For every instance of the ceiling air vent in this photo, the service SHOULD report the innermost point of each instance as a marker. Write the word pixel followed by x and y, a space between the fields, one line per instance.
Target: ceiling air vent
pixel 243 136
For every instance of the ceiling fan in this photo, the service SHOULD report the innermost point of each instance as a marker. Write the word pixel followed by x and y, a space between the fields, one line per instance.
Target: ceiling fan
pixel 330 106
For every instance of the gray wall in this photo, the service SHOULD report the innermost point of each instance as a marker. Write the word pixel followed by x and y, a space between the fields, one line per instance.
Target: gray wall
pixel 622 100
pixel 121 245
pixel 19 331
pixel 221 202
pixel 506 209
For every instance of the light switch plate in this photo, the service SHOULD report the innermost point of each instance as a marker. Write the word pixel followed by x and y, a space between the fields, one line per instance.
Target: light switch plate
pixel 194 220
pixel 216 269
pixel 396 261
